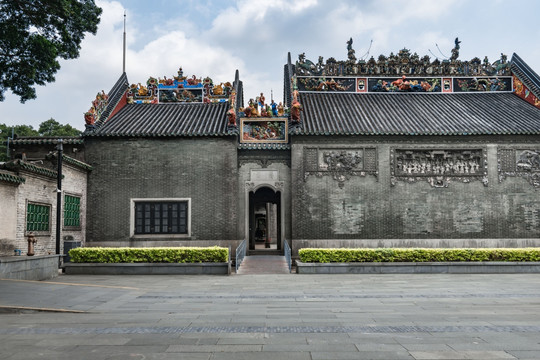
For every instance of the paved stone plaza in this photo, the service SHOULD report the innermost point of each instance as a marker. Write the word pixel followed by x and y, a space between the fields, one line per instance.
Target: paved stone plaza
pixel 272 317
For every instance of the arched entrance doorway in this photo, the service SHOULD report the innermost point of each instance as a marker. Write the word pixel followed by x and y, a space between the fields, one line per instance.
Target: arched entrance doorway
pixel 265 219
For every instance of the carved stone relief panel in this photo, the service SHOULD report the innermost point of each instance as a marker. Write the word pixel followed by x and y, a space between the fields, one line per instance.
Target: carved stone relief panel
pixel 340 163
pixel 519 162
pixel 438 166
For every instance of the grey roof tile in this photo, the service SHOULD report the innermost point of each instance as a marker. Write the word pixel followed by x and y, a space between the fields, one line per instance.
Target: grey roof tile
pixel 40 140
pixel 416 114
pixel 150 120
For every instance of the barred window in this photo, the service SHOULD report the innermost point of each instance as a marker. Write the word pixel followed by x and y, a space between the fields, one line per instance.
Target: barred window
pixel 167 217
pixel 37 217
pixel 72 211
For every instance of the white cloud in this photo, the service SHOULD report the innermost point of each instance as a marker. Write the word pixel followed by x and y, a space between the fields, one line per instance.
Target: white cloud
pixel 163 57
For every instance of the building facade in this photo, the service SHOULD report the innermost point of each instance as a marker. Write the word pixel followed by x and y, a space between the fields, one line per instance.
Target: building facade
pixel 28 189
pixel 398 151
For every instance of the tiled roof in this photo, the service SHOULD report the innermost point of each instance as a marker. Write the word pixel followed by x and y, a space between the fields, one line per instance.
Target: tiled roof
pixel 46 140
pixel 150 120
pixel 20 165
pixel 77 163
pixel 416 114
pixel 6 177
pixel 526 75
pixel 115 95
pixel 70 160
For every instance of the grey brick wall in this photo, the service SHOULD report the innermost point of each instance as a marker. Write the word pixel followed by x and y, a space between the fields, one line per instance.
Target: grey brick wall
pixel 412 213
pixel 202 169
pixel 8 217
pixel 42 190
pixel 75 184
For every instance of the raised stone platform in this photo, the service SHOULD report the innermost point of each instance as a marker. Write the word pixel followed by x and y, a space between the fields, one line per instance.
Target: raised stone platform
pixel 29 267
pixel 494 267
pixel 147 269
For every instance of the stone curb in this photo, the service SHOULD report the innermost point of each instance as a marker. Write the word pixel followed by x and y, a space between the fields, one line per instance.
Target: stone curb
pixel 495 267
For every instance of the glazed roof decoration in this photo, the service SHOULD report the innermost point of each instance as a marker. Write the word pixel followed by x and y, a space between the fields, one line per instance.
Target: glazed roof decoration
pixel 179 89
pixel 264 125
pixel 98 107
pixel 401 72
pixel 259 107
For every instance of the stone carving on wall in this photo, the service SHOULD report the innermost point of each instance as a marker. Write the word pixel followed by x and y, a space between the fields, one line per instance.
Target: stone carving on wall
pixel 264 163
pixel 340 163
pixel 278 185
pixel 438 166
pixel 520 162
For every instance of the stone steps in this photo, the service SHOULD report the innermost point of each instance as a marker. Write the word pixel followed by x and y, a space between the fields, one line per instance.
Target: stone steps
pixel 263 264
pixel 259 252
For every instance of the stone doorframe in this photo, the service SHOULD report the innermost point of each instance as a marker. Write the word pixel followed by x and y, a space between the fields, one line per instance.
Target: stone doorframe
pixel 260 178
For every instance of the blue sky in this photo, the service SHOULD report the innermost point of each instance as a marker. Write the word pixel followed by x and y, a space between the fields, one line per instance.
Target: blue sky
pixel 216 37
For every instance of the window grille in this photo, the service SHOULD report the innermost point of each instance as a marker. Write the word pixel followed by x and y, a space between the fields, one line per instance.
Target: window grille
pixel 161 217
pixel 72 211
pixel 37 217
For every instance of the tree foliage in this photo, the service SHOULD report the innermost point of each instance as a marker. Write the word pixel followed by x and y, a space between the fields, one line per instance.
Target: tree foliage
pixel 52 127
pixel 34 34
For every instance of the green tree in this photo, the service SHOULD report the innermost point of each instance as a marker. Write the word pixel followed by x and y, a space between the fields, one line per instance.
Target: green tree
pixel 34 34
pixel 52 127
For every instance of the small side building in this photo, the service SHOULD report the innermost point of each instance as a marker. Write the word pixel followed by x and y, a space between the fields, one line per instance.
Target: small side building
pixel 164 160
pixel 28 189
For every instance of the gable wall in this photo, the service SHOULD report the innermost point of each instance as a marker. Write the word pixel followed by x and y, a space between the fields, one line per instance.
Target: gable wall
pixel 201 169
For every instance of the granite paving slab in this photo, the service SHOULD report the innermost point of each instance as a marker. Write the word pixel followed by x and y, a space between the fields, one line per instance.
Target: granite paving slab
pixel 392 316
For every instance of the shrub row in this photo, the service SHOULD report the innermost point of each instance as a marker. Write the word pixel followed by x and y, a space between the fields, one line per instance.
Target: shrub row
pixel 417 255
pixel 149 255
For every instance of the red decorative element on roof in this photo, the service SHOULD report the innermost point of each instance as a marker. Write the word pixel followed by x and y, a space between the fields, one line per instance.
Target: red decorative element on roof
pixel 523 92
pixel 98 106
pixel 296 107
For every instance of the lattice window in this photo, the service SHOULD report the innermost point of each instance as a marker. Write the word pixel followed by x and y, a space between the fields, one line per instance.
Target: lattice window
pixel 72 211
pixel 154 217
pixel 37 217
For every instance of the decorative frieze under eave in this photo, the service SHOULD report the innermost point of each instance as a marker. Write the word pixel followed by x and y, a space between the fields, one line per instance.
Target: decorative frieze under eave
pixel 263 146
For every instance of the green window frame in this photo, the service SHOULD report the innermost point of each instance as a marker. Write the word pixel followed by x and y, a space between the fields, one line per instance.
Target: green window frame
pixel 37 217
pixel 72 211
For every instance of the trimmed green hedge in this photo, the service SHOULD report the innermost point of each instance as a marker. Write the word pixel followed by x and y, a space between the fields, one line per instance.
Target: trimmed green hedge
pixel 309 255
pixel 149 255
